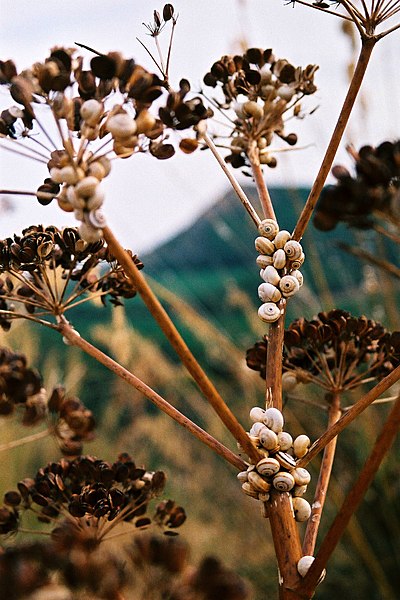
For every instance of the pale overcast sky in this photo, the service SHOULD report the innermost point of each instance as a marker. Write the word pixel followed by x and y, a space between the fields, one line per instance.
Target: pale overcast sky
pixel 148 200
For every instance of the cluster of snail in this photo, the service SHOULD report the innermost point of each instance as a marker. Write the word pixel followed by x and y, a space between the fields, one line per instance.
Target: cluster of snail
pixel 277 469
pixel 80 175
pixel 280 259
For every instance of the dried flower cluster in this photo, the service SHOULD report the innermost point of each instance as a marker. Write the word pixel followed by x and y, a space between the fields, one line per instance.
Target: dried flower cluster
pixel 21 388
pixel 85 498
pixel 262 91
pixel 48 271
pixel 335 350
pixel 277 470
pixel 280 259
pixel 100 113
pixel 373 193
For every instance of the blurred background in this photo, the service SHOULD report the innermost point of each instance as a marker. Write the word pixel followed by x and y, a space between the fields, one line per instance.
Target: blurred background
pixel 197 246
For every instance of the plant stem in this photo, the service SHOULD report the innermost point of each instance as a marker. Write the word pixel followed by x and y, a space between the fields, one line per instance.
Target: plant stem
pixel 25 440
pixel 355 84
pixel 370 258
pixel 350 415
pixel 263 193
pixel 273 378
pixel 313 523
pixel 75 339
pixel 233 181
pixel 180 347
pixel 354 497
pixel 287 544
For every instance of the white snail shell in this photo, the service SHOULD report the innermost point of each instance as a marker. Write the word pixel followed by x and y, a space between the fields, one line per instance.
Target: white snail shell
pixel 268 466
pixel 304 565
pixel 249 490
pixel 289 285
pixel 269 312
pixel 263 260
pixel 242 476
pixel 292 249
pixel 301 509
pixel 268 228
pixel 269 293
pixel 285 440
pixel 95 201
pixel 297 262
pixel 253 109
pixel 89 234
pixel 301 445
pixel 258 483
pixel 283 482
pixel 256 428
pixel 97 169
pixel 273 419
pixel 299 490
pixel 289 381
pixel 281 238
pixel 264 246
pixel 121 126
pixel 70 175
pixel 86 187
pixel 268 438
pixel 96 218
pixel 257 414
pixel 271 275
pixel 91 112
pixel 279 258
pixel 299 276
pixel 285 460
pixel 301 476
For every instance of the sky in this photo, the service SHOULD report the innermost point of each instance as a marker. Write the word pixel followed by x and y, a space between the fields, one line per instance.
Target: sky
pixel 148 201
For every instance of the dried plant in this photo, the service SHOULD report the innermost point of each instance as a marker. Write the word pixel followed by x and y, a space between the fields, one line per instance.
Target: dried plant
pixel 47 271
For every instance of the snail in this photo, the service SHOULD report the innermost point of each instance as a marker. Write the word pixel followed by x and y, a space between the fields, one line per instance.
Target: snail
pixel 86 187
pixel 269 312
pixel 281 238
pixel 301 445
pixel 301 476
pixel 268 466
pixel 271 275
pixel 283 481
pixel 273 419
pixel 293 249
pixel 249 490
pixel 304 565
pixel 301 509
pixel 268 439
pixel 289 285
pixel 242 476
pixel 285 440
pixel 257 414
pixel 285 460
pixel 264 246
pixel 91 112
pixel 96 218
pixel 258 483
pixel 263 260
pixel 279 258
pixel 121 126
pixel 268 228
pixel 269 293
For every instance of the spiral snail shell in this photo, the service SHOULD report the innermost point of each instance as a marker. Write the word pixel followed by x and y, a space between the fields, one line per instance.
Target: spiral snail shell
pixel 273 419
pixel 257 414
pixel 271 275
pixel 269 312
pixel 301 445
pixel 264 245
pixel 268 438
pixel 279 258
pixel 301 509
pixel 289 285
pixel 263 260
pixel 301 476
pixel 268 228
pixel 292 249
pixel 283 482
pixel 297 262
pixel 258 483
pixel 268 466
pixel 285 440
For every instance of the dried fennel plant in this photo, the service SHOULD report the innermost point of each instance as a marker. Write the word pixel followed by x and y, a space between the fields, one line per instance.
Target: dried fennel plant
pixel 115 110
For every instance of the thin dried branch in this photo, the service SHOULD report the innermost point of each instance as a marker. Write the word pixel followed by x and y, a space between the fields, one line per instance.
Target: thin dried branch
pixel 355 84
pixel 310 536
pixel 232 180
pixel 353 499
pixel 76 340
pixel 350 415
pixel 25 440
pixel 370 258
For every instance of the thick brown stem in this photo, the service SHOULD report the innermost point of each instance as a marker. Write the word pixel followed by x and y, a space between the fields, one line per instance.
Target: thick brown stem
pixel 176 341
pixel 363 60
pixel 75 339
pixel 350 415
pixel 313 523
pixel 353 498
pixel 273 391
pixel 232 180
pixel 263 193
pixel 287 544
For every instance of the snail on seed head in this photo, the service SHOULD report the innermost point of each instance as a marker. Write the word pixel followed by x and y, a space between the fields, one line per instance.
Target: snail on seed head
pixel 289 285
pixel 292 249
